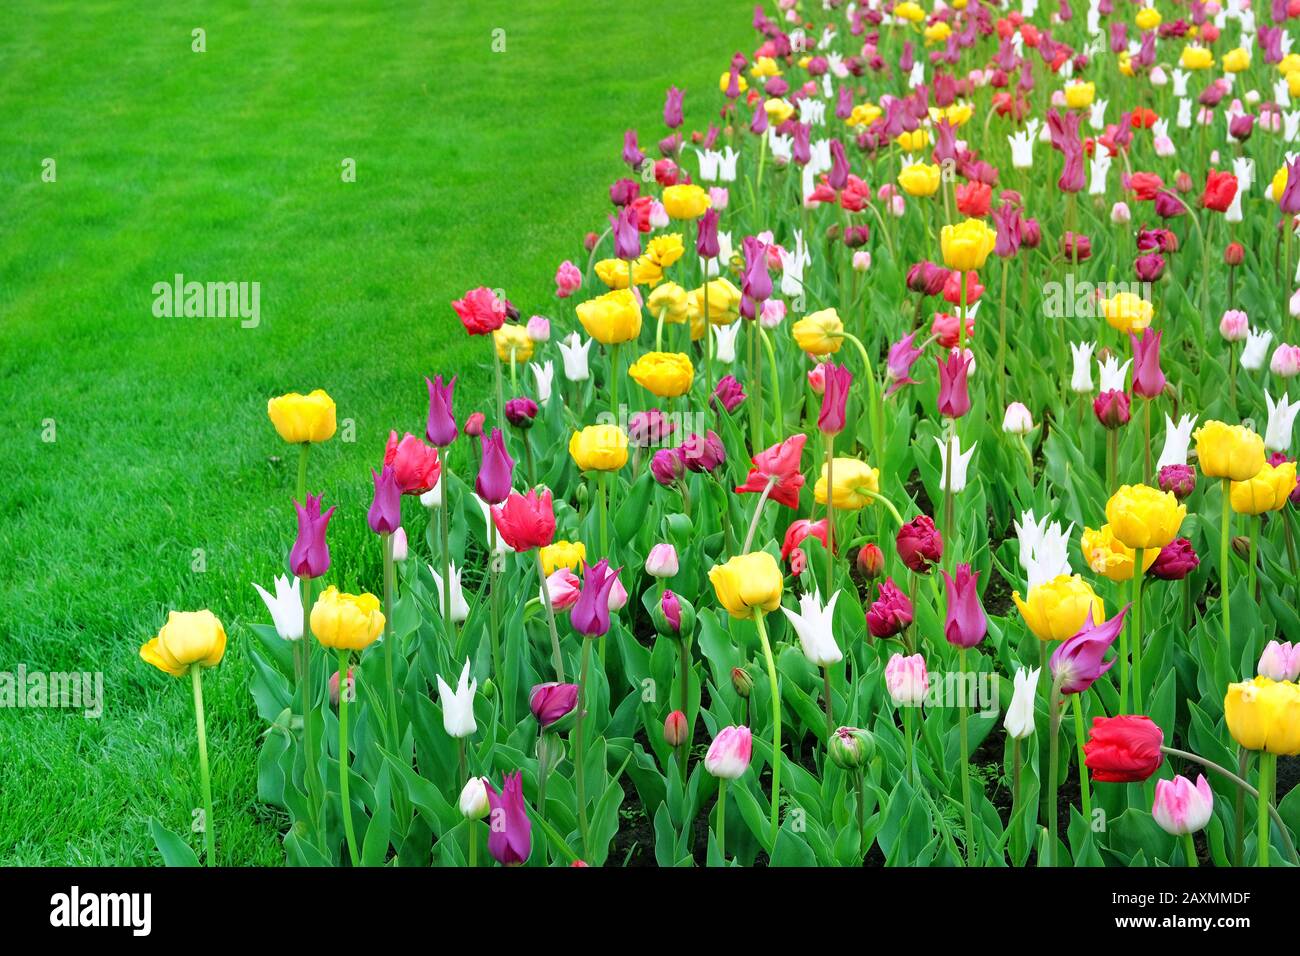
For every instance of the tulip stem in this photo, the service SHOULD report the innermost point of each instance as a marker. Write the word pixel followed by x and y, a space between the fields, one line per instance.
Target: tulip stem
pixel 579 780
pixel 826 690
pixel 776 723
pixel 1246 788
pixel 308 706
pixel 507 687
pixel 556 656
pixel 909 736
pixel 1239 847
pixel 722 820
pixel 1080 735
pixel 1138 560
pixel 684 666
pixel 344 797
pixel 389 586
pixel 1224 538
pixel 830 512
pixel 889 505
pixel 949 536
pixel 1189 849
pixel 972 855
pixel 758 513
pixel 875 414
pixel 205 776
pixel 1267 776
pixel 1053 766
pixel 1015 778
pixel 473 844
pixel 1002 342
pixel 496 369
pixel 1252 560
pixel 776 384
pixel 444 532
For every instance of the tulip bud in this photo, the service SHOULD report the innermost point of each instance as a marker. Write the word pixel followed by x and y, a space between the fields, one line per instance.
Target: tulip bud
pixel 521 412
pixel 1112 408
pixel 661 562
pixel 742 682
pixel 400 547
pixel 1241 546
pixel 1178 479
pixel 851 747
pixel 473 799
pixel 1017 420
pixel 334 687
pixel 871 561
pixel 474 424
pixel 589 241
pixel 675 729
pixel 1234 254
pixel 550 751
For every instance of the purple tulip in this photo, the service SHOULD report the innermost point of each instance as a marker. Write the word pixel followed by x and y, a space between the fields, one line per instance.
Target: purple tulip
pixel 945 142
pixel 648 428
pixel 954 397
pixel 1168 206
pixel 729 394
pixel 632 154
pixel 494 473
pixel 510 833
pixel 1289 201
pixel 966 624
pixel 1175 561
pixel 440 428
pixel 1148 380
pixel 1149 267
pixel 385 514
pixel 703 454
pixel 672 609
pixel 902 355
pixel 520 412
pixel 310 556
pixel 844 103
pixel 667 466
pixel 908 58
pixel 550 702
pixel 801 152
pixel 1006 219
pixel 623 191
pixel 1078 661
pixel 1180 480
pixel 835 397
pixel 590 614
pixel 627 237
pixel 756 284
pixel 758 124
pixel 838 177
pixel 706 243
pixel 673 108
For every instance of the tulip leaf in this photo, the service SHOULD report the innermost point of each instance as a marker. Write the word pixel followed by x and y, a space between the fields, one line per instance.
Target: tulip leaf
pixel 174 850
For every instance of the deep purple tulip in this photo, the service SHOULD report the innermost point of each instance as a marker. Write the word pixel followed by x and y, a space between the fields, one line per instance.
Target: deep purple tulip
pixel 385 514
pixel 627 236
pixel 310 556
pixel 649 428
pixel 1289 201
pixel 510 835
pixel 673 108
pixel 667 466
pixel 945 142
pixel 706 243
pixel 954 396
pixel 1006 220
pixel 801 152
pixel 672 609
pixel 550 702
pixel 1180 480
pixel 838 177
pixel 1148 379
pixel 728 394
pixel 756 283
pixel 632 154
pixel 902 356
pixel 1078 661
pixel 835 397
pixel 891 612
pixel 758 124
pixel 1149 267
pixel 966 624
pixel 1168 206
pixel 440 428
pixel 1175 561
pixel 590 614
pixel 520 412
pixel 623 191
pixel 494 473
pixel 703 454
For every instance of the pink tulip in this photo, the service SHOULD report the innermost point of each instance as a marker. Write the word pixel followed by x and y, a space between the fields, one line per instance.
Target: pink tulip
pixel 729 754
pixel 907 680
pixel 564 587
pixel 1234 326
pixel 568 279
pixel 1280 661
pixel 1180 807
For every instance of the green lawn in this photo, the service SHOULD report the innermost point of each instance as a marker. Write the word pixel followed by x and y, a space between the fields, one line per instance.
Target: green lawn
pixel 473 167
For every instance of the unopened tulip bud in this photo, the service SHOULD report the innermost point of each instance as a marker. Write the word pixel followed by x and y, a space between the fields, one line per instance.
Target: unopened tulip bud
pixel 851 747
pixel 474 424
pixel 1112 409
pixel 1017 420
pixel 1241 545
pixel 1234 254
pixel 1120 213
pixel 473 799
pixel 400 547
pixel 1178 479
pixel 871 561
pixel 334 687
pixel 675 729
pixel 742 682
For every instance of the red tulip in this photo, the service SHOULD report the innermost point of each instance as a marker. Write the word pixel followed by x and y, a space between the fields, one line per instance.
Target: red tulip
pixel 526 521
pixel 1123 749
pixel 414 463
pixel 778 465
pixel 1220 188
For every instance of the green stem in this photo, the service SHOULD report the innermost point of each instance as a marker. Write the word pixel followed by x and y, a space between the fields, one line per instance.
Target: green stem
pixel 1189 849
pixel 972 855
pixel 556 657
pixel 348 830
pixel 776 724
pixel 1138 560
pixel 684 677
pixel 473 844
pixel 205 775
pixel 1267 775
pixel 1053 765
pixel 1080 736
pixel 830 718
pixel 1224 538
pixel 579 775
pixel 776 384
pixel 722 820
pixel 758 513
pixel 389 586
pixel 444 533
pixel 507 688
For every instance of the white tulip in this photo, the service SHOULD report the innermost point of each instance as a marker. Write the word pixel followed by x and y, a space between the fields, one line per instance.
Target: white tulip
pixel 1177 438
pixel 285 607
pixel 544 375
pixel 1081 377
pixel 1281 419
pixel 1019 720
pixel 960 462
pixel 724 341
pixel 458 707
pixel 574 352
pixel 459 606
pixel 1044 548
pixel 813 625
pixel 474 800
pixel 1255 352
pixel 1113 374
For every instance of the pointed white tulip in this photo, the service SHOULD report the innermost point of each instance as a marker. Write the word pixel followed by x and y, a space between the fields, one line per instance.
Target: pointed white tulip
pixel 1081 376
pixel 433 497
pixel 1098 168
pixel 1281 419
pixel 813 625
pixel 458 707
pixel 960 463
pixel 727 164
pixel 1113 374
pixel 1177 438
pixel 1022 149
pixel 1097 114
pixel 1255 353
pixel 724 341
pixel 544 375
pixel 459 606
pixel 1019 721
pixel 1184 120
pixel 574 352
pixel 285 606
pixel 1044 548
pixel 1180 78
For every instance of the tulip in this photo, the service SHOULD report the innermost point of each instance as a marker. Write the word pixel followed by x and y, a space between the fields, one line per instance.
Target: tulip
pixel 1017 420
pixel 919 544
pixel 1143 517
pixel 1108 556
pixel 891 612
pixel 1019 719
pixel 473 801
pixel 954 399
pixel 458 706
pixel 906 680
pixel 966 623
pixel 493 481
pixel 285 606
pixel 1270 490
pixel 612 318
pixel 776 472
pixel 310 556
pixel 440 428
pixel 563 588
pixel 510 831
pixel 599 448
pixel 459 606
pixel 661 562
pixel 1148 379
pixel 385 514
pixel 568 279
pixel 300 419
pixel 415 465
pixel 551 702
pixel 728 394
pixel 664 374
pixel 574 352
pixel 345 621
pixel 747 583
pixel 526 521
pixel 1059 608
pixel 821 333
pixel 831 418
pixel 590 615
pixel 521 412
pixel 1181 807
pixel 1077 662
pixel 1124 749
pixel 813 624
pixel 675 729
pixel 729 754
pixel 1281 419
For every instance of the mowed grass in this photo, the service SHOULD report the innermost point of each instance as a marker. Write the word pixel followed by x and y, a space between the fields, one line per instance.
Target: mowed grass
pixel 165 485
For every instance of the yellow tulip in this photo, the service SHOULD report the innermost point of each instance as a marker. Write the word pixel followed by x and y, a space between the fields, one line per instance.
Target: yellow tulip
pixel 1144 517
pixel 599 448
pixel 957 114
pixel 1267 491
pixel 724 303
pixel 668 299
pixel 685 201
pixel 612 318
pixel 1292 87
pixel 1125 63
pixel 1289 64
pixel 1127 312
pixel 853 479
pixel 777 110
pixel 1058 609
pixel 346 622
pixel 1229 451
pixel 646 271
pixel 919 179
pixel 765 66
pixel 1196 58
pixel 1108 556
pixel 746 582
pixel 725 80
pixel 562 554
pixel 1279 182
pixel 303 418
pixel 1264 714
pixel 1080 95
pixel 821 333
pixel 665 374
pixel 188 638
pixel 1148 18
pixel 967 244
pixel 513 341
pixel 1236 61
pixel 666 249
pixel 915 141
pixel 937 33
pixel 613 272
pixel 864 114
pixel 909 11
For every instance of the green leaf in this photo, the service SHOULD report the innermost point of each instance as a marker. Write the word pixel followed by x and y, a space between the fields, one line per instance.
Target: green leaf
pixel 174 850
